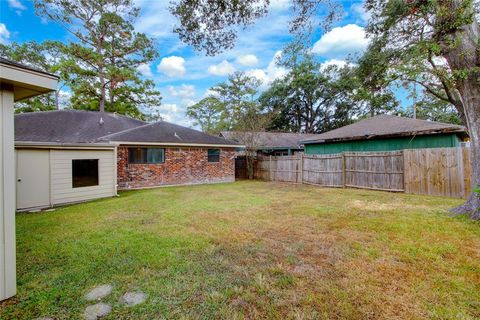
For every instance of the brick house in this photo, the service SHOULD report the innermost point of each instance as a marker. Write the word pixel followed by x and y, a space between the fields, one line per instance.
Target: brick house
pixel 70 156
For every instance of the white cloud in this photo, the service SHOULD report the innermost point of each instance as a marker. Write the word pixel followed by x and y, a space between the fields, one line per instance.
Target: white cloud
pixel 334 62
pixel 184 91
pixel 172 66
pixel 224 68
pixel 341 41
pixel 16 4
pixel 145 70
pixel 168 107
pixel 210 93
pixel 279 4
pixel 248 60
pixel 269 74
pixel 4 33
pixel 358 9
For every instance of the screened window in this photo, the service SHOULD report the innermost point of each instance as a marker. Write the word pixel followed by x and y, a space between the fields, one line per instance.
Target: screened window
pixel 146 155
pixel 84 173
pixel 213 155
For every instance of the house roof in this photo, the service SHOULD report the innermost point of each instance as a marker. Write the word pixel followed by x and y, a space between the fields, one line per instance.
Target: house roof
pixel 167 133
pixel 269 140
pixel 386 126
pixel 73 126
pixel 70 126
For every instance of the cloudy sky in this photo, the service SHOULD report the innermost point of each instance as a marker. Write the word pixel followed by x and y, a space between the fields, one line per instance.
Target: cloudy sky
pixel 182 75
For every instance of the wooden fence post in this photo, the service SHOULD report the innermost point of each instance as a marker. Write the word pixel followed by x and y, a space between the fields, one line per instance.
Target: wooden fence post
pixel 344 172
pixel 270 168
pixel 404 172
pixel 300 168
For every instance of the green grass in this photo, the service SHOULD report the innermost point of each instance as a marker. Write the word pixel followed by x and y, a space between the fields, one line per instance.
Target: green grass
pixel 252 250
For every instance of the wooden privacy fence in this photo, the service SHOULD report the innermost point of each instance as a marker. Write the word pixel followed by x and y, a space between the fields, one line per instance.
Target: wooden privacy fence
pixel 439 171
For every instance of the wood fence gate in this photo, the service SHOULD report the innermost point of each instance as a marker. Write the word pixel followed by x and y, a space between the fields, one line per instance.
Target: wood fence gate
pixel 439 171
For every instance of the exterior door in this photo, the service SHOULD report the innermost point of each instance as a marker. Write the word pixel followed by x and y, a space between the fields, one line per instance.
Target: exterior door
pixel 33 178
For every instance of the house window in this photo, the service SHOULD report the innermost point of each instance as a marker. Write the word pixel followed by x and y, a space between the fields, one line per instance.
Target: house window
pixel 213 155
pixel 146 155
pixel 84 173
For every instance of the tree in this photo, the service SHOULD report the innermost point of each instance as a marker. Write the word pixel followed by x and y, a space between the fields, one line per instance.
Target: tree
pixel 433 109
pixel 44 56
pixel 212 25
pixel 311 98
pixel 374 80
pixel 103 61
pixel 233 106
pixel 207 114
pixel 447 30
pixel 229 101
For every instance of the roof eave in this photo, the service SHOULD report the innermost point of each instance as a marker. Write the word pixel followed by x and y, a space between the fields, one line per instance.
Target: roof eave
pixel 400 134
pixel 177 144
pixel 46 144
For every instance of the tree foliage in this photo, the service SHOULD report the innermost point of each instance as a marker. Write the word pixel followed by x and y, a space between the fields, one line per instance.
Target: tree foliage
pixel 44 56
pixel 102 62
pixel 229 105
pixel 313 98
pixel 212 25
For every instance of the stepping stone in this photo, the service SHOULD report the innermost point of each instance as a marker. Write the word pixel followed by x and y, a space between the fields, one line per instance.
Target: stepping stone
pixel 97 311
pixel 99 292
pixel 133 298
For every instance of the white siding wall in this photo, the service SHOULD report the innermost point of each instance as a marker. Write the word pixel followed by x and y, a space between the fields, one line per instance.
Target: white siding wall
pixel 61 175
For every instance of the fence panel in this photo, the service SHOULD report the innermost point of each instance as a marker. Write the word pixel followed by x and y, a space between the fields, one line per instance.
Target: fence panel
pixel 324 170
pixel 281 168
pixel 374 170
pixel 438 172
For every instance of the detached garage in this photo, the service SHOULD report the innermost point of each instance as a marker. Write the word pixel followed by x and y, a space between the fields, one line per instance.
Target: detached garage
pixel 59 160
pixel 51 176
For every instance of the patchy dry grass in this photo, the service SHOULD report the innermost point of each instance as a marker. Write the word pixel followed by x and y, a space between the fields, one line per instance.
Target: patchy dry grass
pixel 252 250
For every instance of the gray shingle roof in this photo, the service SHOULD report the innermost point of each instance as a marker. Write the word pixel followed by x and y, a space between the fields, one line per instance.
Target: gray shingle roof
pixel 166 132
pixel 269 140
pixel 70 126
pixel 386 126
pixel 73 126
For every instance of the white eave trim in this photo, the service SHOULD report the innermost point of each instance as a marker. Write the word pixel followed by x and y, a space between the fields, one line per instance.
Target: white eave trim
pixel 53 145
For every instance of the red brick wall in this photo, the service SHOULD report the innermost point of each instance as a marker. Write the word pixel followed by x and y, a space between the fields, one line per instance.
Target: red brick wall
pixel 181 166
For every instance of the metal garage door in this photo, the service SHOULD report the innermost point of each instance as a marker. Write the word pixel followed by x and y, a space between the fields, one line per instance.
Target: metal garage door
pixel 33 178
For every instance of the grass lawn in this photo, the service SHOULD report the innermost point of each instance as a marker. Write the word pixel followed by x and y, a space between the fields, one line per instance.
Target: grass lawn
pixel 251 250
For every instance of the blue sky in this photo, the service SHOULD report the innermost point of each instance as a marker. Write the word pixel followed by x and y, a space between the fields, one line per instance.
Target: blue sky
pixel 182 75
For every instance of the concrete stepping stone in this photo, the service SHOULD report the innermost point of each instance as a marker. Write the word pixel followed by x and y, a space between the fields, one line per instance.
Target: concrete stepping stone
pixel 97 311
pixel 99 292
pixel 134 298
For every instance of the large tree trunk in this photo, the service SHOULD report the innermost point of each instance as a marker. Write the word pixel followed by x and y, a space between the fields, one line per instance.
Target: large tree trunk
pixel 463 56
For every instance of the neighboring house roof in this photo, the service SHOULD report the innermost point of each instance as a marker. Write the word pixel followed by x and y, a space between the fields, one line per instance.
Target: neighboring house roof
pixel 169 133
pixel 73 126
pixel 269 140
pixel 386 126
